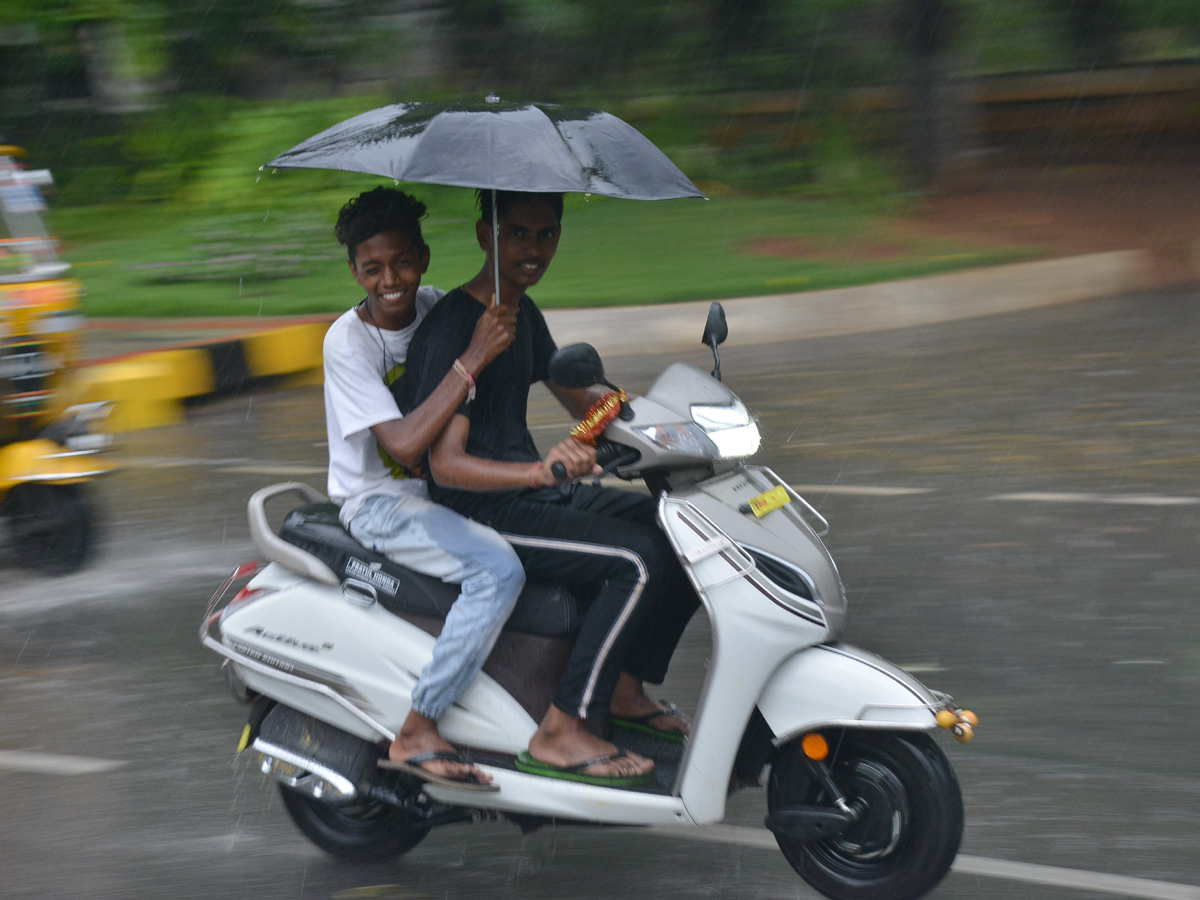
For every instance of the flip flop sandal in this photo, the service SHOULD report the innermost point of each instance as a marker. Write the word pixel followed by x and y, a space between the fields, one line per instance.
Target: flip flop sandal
pixel 412 766
pixel 642 723
pixel 526 763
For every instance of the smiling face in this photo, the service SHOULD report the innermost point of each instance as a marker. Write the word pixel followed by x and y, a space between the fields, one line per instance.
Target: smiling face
pixel 389 266
pixel 529 233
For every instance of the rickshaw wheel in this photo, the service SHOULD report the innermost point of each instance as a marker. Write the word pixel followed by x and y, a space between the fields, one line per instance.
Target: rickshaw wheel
pixel 50 526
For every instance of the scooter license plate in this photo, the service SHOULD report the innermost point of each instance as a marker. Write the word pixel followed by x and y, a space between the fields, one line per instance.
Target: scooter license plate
pixel 769 500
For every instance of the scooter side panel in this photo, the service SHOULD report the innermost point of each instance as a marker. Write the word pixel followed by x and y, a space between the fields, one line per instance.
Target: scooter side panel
pixel 368 656
pixel 839 685
pixel 753 633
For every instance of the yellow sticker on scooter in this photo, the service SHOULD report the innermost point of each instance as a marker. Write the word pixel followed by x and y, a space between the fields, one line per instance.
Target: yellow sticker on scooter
pixel 769 500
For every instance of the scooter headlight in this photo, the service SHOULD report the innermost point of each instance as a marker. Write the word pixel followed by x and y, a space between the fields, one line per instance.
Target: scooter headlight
pixel 731 428
pixel 685 437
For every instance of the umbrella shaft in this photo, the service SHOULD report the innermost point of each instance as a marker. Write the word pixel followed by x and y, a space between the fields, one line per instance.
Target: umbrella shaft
pixel 496 245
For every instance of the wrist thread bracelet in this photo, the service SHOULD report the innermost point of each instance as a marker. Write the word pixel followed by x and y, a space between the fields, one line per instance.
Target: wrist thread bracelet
pixel 535 472
pixel 462 370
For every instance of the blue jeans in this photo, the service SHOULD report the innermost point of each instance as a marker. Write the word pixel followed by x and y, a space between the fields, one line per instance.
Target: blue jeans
pixel 434 540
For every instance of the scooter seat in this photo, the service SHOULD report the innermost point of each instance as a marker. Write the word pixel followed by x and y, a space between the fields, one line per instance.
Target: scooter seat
pixel 542 609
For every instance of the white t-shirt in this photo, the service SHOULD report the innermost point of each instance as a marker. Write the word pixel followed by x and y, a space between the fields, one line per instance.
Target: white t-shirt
pixel 360 362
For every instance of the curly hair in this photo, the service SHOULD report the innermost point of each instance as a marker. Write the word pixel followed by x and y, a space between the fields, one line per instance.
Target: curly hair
pixel 376 211
pixel 506 199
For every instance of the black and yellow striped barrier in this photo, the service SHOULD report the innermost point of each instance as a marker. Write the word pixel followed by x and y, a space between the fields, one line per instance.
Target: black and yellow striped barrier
pixel 151 389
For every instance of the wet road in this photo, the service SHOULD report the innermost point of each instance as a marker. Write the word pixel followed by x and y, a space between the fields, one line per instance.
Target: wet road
pixel 1014 504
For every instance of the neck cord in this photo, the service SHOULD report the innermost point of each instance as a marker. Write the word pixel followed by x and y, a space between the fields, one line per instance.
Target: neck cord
pixel 388 360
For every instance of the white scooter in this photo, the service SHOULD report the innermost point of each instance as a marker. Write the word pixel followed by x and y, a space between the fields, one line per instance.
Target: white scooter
pixel 326 643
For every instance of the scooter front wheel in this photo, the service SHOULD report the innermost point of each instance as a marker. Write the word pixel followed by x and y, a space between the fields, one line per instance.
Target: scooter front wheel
pixel 909 815
pixel 50 526
pixel 366 831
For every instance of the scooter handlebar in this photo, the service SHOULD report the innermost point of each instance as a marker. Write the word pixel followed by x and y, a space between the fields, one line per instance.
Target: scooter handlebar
pixel 608 454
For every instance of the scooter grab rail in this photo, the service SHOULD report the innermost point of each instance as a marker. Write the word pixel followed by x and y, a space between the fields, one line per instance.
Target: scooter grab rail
pixel 279 550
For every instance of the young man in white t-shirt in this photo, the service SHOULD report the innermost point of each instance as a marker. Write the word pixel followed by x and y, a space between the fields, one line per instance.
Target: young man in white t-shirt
pixel 375 457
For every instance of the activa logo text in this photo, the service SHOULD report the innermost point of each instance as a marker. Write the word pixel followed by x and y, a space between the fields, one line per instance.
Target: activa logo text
pixel 372 575
pixel 287 639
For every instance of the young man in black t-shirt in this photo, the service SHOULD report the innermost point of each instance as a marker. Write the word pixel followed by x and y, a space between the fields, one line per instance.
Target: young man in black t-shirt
pixel 485 466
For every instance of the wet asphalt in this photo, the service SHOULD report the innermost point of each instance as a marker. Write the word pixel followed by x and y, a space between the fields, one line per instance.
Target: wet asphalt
pixel 1014 504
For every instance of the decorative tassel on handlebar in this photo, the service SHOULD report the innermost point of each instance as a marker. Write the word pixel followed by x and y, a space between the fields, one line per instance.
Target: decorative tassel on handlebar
pixel 603 411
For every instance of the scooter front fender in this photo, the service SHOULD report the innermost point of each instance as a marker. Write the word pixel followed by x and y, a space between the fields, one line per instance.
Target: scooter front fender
pixel 836 685
pixel 45 461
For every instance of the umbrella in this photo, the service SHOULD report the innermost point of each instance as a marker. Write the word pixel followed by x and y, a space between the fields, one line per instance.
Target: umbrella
pixel 502 146
pixel 536 147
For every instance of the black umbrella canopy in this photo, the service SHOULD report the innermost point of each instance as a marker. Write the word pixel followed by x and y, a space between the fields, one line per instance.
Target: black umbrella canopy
pixel 502 146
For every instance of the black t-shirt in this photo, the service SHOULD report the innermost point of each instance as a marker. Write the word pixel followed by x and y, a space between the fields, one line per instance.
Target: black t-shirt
pixel 498 412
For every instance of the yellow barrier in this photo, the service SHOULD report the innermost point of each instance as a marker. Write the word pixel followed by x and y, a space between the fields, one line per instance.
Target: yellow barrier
pixel 191 371
pixel 148 390
pixel 285 351
pixel 143 392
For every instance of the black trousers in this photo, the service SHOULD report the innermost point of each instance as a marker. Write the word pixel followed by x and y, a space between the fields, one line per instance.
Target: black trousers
pixel 606 544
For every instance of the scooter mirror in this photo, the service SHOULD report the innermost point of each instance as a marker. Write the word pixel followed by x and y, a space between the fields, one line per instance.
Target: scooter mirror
pixel 715 329
pixel 577 366
pixel 715 332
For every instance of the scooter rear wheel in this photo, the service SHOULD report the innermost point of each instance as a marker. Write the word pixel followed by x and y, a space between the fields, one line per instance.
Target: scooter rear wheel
pixel 367 831
pixel 910 815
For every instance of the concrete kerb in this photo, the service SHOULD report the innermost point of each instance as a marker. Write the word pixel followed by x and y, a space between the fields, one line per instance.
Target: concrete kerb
pixel 150 388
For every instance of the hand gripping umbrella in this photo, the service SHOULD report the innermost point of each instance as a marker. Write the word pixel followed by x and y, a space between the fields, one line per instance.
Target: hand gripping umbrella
pixel 534 147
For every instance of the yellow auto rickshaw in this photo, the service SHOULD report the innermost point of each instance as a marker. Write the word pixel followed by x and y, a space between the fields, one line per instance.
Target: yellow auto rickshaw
pixel 47 455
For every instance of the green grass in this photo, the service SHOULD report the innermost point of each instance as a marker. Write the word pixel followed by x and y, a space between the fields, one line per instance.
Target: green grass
pixel 202 231
pixel 280 258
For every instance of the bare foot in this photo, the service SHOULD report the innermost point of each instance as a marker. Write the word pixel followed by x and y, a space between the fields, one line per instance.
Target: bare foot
pixel 419 734
pixel 630 701
pixel 563 740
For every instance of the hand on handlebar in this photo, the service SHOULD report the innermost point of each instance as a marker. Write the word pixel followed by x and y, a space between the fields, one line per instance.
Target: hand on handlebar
pixel 567 461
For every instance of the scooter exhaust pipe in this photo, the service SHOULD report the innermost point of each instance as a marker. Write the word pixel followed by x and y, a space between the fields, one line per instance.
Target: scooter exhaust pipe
pixel 313 757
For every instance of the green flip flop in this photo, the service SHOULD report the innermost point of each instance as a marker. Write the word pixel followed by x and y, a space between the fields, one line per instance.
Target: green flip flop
pixel 531 766
pixel 642 723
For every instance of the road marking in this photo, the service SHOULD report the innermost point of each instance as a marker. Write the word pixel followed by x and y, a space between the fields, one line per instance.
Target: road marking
pixel 1117 499
pixel 53 764
pixel 291 470
pixel 1029 873
pixel 859 490
pixel 1139 662
pixel 922 668
pixel 1077 879
pixel 275 470
pixel 238 466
